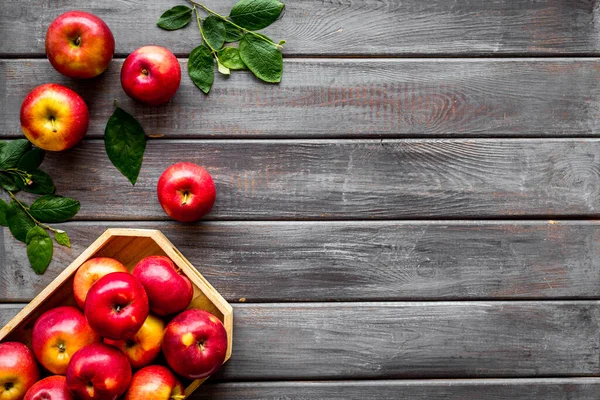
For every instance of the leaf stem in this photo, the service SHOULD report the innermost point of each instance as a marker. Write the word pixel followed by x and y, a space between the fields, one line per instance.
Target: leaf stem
pixel 12 195
pixel 208 10
pixel 202 32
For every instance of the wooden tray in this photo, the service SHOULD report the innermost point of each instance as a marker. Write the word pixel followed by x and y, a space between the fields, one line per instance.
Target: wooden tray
pixel 128 246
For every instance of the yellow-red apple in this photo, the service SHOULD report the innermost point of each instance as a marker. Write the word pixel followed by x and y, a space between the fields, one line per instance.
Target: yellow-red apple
pixel 154 382
pixel 195 344
pixel 98 372
pixel 18 370
pixel 53 117
pixel 151 75
pixel 186 191
pixel 143 347
pixel 89 272
pixel 50 388
pixel 58 334
pixel 169 290
pixel 79 44
pixel 117 306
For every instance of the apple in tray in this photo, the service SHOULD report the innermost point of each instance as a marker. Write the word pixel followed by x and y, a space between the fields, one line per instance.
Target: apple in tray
pixel 18 370
pixel 50 388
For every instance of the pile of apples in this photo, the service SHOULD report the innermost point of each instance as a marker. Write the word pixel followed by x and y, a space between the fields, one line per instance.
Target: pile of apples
pixel 123 322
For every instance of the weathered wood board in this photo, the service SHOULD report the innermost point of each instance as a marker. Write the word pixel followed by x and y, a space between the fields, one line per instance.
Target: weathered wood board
pixel 326 28
pixel 410 340
pixel 357 261
pixel 349 179
pixel 348 98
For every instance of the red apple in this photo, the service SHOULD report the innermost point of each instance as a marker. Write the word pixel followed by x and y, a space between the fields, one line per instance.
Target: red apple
pixel 151 75
pixel 154 383
pixel 116 306
pixel 18 370
pixel 169 290
pixel 53 117
pixel 50 388
pixel 195 344
pixel 98 372
pixel 79 44
pixel 89 272
pixel 144 346
pixel 186 192
pixel 58 334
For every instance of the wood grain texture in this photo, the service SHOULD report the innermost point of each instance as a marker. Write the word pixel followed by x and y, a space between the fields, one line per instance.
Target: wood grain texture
pixel 488 389
pixel 348 98
pixel 411 340
pixel 354 261
pixel 324 27
pixel 348 179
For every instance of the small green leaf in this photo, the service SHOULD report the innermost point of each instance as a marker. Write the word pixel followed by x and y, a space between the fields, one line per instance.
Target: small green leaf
pixel 125 143
pixel 230 57
pixel 201 68
pixel 39 249
pixel 214 31
pixel 3 210
pixel 175 18
pixel 51 208
pixel 9 181
pixel 222 69
pixel 232 34
pixel 31 160
pixel 41 183
pixel 264 59
pixel 256 14
pixel 18 221
pixel 62 238
pixel 12 152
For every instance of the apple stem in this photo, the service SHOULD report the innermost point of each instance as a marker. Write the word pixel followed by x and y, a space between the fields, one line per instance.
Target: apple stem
pixel 186 196
pixel 8 385
pixel 52 119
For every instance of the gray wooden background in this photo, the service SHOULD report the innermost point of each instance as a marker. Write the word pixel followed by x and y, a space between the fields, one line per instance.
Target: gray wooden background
pixel 411 214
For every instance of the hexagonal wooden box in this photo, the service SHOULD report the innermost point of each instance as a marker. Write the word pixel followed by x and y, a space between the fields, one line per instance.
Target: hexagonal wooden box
pixel 128 246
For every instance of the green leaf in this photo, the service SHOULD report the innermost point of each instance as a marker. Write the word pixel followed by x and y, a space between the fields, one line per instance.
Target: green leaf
pixel 175 18
pixel 41 183
pixel 214 31
pixel 51 208
pixel 222 69
pixel 62 238
pixel 264 59
pixel 125 143
pixel 230 57
pixel 39 249
pixel 18 221
pixel 256 14
pixel 201 69
pixel 12 152
pixel 31 160
pixel 9 181
pixel 3 210
pixel 232 34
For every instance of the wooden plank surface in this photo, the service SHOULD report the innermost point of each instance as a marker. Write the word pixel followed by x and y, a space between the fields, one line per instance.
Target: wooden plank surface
pixel 488 389
pixel 357 261
pixel 320 27
pixel 410 340
pixel 349 179
pixel 348 98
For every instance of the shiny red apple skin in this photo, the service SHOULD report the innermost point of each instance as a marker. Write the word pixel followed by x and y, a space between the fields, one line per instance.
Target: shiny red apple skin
pixel 151 75
pixel 186 191
pixel 54 117
pixel 50 388
pixel 154 382
pixel 79 45
pixel 105 367
pixel 143 347
pixel 169 290
pixel 117 306
pixel 89 272
pixel 58 334
pixel 18 370
pixel 195 344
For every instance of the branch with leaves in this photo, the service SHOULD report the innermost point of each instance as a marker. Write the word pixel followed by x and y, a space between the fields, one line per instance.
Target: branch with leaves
pixel 19 171
pixel 256 52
